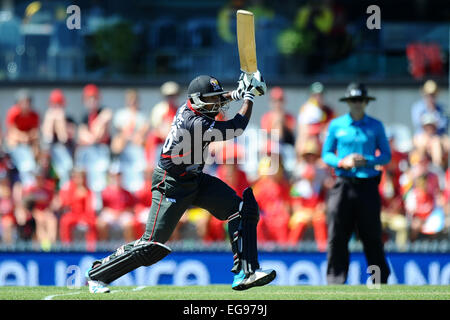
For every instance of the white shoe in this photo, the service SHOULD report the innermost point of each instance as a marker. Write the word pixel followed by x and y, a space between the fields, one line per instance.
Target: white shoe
pixel 96 286
pixel 258 278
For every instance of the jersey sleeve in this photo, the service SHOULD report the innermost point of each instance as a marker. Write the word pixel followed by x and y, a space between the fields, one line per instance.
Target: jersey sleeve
pixel 329 147
pixel 219 130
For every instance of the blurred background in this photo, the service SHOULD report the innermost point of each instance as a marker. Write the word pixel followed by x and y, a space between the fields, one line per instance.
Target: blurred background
pixel 149 41
pixel 85 112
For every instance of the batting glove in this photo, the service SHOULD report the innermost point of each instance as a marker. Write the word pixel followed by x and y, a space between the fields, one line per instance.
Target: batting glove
pixel 249 96
pixel 255 83
pixel 238 94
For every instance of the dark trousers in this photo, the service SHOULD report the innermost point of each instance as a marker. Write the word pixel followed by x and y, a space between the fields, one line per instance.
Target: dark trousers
pixel 354 204
pixel 171 196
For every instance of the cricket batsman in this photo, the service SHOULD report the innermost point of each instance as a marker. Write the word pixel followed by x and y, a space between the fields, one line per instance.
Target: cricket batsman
pixel 179 182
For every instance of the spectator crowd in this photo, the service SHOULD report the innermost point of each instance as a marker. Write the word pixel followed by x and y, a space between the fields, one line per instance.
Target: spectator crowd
pixel 63 181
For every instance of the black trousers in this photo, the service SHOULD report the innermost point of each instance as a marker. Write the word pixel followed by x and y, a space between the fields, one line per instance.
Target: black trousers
pixel 171 196
pixel 354 205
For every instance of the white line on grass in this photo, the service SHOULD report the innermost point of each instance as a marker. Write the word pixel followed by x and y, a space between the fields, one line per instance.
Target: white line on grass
pixel 78 292
pixel 115 291
pixel 139 288
pixel 62 294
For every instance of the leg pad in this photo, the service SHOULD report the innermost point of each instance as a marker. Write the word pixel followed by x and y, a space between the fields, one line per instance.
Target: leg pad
pixel 242 231
pixel 121 262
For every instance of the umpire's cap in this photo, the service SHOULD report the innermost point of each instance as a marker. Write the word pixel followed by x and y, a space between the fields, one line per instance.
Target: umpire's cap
pixel 356 91
pixel 205 86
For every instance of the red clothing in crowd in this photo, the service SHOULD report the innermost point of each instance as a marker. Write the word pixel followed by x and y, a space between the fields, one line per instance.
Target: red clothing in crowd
pixel 143 197
pixel 117 199
pixel 267 121
pixel 6 200
pixel 394 165
pixel 424 203
pixel 274 203
pixel 80 204
pixel 171 111
pixel 7 209
pixel 308 206
pixel 432 186
pixel 447 186
pixel 156 137
pixel 42 195
pixel 310 202
pixel 22 121
pixel 151 146
pixel 143 203
pixel 390 191
pixel 237 180
pixel 88 120
pixel 329 114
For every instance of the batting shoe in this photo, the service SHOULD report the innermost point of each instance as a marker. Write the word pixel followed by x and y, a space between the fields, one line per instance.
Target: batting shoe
pixel 258 278
pixel 96 286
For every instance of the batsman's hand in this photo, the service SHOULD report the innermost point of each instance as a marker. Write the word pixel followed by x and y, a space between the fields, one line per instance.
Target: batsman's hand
pixel 238 94
pixel 249 85
pixel 254 83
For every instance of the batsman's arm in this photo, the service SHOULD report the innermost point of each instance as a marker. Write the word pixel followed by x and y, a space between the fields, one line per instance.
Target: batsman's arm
pixel 224 130
pixel 238 123
pixel 246 109
pixel 228 96
pixel 247 106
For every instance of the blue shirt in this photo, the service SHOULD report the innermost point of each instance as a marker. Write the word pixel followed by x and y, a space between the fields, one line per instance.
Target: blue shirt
pixel 346 136
pixel 420 108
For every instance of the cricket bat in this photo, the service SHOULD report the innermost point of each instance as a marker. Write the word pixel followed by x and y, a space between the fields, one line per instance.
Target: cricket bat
pixel 245 25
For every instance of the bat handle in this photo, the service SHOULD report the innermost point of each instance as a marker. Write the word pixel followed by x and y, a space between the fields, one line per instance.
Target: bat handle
pixel 248 73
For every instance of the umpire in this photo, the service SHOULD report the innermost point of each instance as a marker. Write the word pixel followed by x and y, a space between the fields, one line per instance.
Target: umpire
pixel 354 202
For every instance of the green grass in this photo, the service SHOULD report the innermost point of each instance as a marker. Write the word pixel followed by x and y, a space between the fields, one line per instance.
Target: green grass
pixel 224 292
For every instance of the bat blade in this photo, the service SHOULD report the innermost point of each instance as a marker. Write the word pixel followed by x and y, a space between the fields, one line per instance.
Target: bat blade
pixel 245 25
